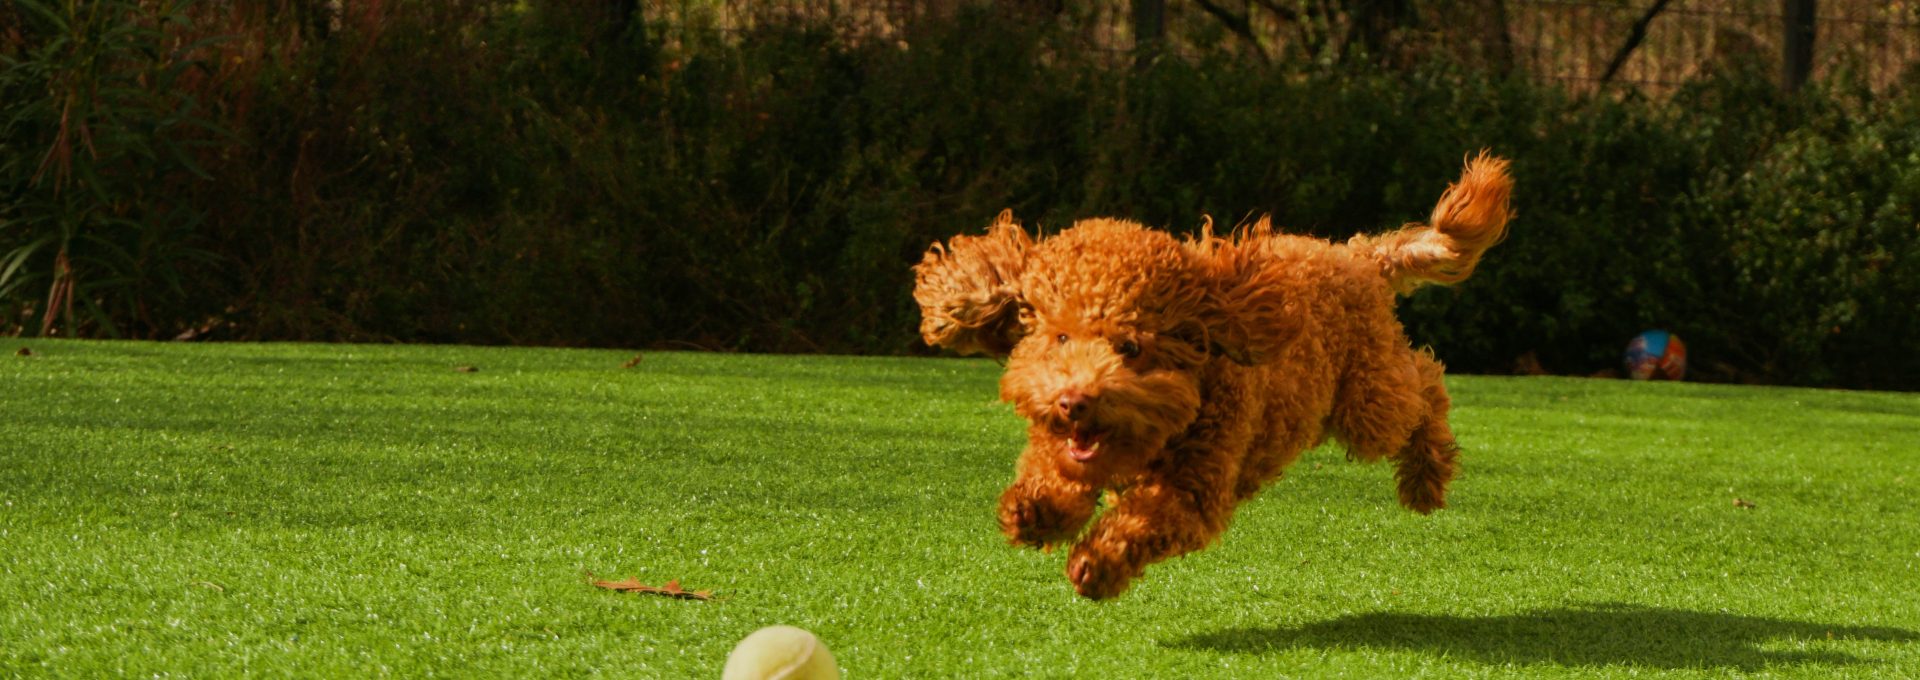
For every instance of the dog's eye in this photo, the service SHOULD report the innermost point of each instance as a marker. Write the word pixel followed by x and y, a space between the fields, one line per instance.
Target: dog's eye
pixel 1129 349
pixel 1062 338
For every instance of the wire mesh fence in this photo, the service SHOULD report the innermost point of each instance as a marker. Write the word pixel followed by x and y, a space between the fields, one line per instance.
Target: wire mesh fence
pixel 1574 43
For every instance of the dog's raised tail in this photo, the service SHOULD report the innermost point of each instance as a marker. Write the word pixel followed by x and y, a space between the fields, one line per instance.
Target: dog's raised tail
pixel 1471 217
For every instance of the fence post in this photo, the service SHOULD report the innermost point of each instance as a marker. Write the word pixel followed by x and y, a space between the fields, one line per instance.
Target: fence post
pixel 1799 43
pixel 1149 30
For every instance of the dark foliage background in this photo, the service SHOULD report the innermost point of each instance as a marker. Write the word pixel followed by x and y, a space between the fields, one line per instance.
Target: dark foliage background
pixel 567 174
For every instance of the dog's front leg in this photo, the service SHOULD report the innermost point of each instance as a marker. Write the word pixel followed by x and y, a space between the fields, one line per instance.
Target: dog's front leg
pixel 1161 518
pixel 1042 507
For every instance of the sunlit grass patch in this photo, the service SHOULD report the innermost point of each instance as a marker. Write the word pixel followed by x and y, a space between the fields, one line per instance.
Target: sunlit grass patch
pixel 340 511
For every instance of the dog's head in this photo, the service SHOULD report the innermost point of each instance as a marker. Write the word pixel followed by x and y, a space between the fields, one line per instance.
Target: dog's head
pixel 1107 326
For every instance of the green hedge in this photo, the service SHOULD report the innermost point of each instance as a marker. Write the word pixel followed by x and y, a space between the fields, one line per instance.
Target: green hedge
pixel 462 172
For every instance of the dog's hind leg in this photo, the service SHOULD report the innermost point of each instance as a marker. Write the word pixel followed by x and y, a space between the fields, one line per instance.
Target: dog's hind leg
pixel 1425 466
pixel 1397 408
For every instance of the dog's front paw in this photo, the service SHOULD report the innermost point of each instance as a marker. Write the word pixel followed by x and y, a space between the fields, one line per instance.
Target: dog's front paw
pixel 1097 573
pixel 1039 521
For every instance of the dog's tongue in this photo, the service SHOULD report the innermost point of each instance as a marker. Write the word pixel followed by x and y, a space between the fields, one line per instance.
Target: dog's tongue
pixel 1083 446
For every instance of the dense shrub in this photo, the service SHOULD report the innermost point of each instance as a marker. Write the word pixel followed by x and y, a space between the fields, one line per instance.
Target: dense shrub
pixel 95 142
pixel 1807 243
pixel 549 173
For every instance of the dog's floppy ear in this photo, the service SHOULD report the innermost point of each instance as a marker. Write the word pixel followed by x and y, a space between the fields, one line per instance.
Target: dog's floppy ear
pixel 969 290
pixel 1249 313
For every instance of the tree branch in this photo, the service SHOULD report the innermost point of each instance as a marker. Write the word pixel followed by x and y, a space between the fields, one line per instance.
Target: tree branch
pixel 1285 13
pixel 1638 34
pixel 1240 24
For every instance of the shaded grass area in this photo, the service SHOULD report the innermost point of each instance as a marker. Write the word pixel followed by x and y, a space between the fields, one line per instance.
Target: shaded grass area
pixel 341 510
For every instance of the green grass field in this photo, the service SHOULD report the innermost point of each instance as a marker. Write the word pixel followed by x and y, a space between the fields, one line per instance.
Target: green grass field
pixel 352 511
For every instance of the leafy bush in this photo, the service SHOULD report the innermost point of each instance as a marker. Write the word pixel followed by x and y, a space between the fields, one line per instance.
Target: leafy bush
pixel 1810 237
pixel 95 140
pixel 560 173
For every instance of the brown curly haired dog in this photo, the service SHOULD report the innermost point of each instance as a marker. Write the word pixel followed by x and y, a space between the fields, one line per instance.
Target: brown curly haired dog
pixel 1116 336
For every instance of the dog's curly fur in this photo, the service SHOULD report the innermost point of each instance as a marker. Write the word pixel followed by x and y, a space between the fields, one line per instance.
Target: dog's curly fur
pixel 1181 376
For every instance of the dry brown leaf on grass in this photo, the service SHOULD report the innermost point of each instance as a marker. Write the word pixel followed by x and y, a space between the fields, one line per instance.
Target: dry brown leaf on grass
pixel 635 361
pixel 671 589
pixel 467 369
pixel 1743 503
pixel 24 352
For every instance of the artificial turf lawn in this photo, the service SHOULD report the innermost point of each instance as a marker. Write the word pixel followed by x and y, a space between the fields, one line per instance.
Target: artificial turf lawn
pixel 345 511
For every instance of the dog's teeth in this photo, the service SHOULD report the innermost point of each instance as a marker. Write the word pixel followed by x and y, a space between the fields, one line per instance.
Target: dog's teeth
pixel 1095 447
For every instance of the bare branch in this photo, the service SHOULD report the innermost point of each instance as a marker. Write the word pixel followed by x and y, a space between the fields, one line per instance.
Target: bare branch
pixel 1285 13
pixel 1240 24
pixel 1638 34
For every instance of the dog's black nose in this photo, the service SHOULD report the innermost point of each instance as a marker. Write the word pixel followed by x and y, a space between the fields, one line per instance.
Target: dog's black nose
pixel 1073 404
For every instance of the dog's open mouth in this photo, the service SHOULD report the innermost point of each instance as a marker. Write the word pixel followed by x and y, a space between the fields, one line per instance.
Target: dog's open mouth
pixel 1083 443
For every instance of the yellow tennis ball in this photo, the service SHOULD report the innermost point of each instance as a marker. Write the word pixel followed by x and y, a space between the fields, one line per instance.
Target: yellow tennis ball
pixel 780 653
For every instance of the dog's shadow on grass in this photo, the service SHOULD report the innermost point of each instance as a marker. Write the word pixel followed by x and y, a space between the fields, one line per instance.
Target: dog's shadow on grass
pixel 1588 635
